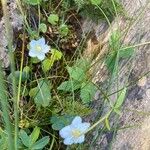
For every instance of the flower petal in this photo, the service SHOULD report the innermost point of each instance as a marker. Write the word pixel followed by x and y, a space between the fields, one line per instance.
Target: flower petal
pixel 79 139
pixel 77 120
pixel 65 132
pixel 83 126
pixel 68 141
pixel 32 44
pixel 32 53
pixel 41 56
pixel 45 48
pixel 41 41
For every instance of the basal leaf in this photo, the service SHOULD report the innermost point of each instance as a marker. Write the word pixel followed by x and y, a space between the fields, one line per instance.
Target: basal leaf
pixel 88 91
pixel 40 144
pixel 47 64
pixel 56 54
pixel 76 73
pixel 53 19
pixel 35 134
pixel 58 122
pixel 24 138
pixel 43 96
pixel 69 86
pixel 43 27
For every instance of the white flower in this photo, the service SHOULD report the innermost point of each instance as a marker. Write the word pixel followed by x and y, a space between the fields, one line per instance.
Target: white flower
pixel 38 48
pixel 74 133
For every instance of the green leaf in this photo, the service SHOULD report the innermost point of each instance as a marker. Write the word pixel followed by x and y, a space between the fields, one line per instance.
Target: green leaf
pixel 3 140
pixel 40 144
pixel 24 138
pixel 96 2
pixel 53 19
pixel 68 86
pixel 111 62
pixel 114 41
pixel 43 96
pixel 125 53
pixel 33 34
pixel 117 111
pixel 47 64
pixel 63 30
pixel 58 122
pixel 120 99
pixel 35 134
pixel 24 76
pixel 33 2
pixel 107 123
pixel 35 60
pixel 83 63
pixel 43 27
pixel 76 73
pixel 33 92
pixel 56 55
pixel 88 91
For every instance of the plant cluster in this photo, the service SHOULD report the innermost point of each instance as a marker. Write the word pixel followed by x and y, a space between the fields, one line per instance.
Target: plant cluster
pixel 51 87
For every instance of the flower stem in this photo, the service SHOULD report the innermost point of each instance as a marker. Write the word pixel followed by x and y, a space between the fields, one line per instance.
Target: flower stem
pixel 99 121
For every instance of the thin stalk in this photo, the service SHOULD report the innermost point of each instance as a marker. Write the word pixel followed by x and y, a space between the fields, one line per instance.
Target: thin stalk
pixel 9 36
pixel 98 122
pixel 5 109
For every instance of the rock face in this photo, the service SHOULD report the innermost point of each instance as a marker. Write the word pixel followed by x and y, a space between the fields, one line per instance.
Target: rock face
pixel 16 22
pixel 137 104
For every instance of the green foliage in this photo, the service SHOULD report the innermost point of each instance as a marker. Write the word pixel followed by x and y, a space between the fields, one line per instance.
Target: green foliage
pixel 43 27
pixel 31 141
pixel 69 86
pixel 91 10
pixel 120 101
pixel 24 76
pixel 107 124
pixel 76 73
pixel 96 2
pixel 87 92
pixel 79 3
pixel 33 2
pixel 63 30
pixel 79 80
pixel 77 107
pixel 49 62
pixel 41 94
pixel 126 53
pixel 58 122
pixel 53 19
pixel 3 140
pixel 116 52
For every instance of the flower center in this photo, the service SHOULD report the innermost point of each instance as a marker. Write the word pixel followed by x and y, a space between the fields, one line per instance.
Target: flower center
pixel 76 133
pixel 38 48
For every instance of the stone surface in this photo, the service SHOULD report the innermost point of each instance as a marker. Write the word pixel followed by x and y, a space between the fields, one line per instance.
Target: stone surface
pixel 136 109
pixel 16 22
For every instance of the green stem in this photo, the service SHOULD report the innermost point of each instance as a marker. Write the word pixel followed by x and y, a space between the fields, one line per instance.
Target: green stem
pixel 99 121
pixel 9 36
